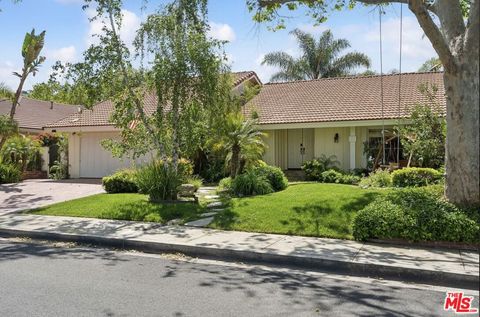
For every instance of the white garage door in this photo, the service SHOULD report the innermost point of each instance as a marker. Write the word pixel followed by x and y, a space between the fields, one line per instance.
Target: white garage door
pixel 95 161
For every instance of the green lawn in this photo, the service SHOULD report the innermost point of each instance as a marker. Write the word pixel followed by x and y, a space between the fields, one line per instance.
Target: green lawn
pixel 121 206
pixel 308 209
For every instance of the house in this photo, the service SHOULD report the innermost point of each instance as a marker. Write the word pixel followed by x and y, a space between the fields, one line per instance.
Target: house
pixel 302 120
pixel 32 115
pixel 337 116
pixel 87 158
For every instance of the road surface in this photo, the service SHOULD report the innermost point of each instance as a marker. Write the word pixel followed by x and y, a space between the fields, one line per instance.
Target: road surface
pixel 48 279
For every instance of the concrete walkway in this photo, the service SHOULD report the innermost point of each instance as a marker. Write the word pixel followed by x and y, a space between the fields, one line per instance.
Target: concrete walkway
pixel 456 268
pixel 36 193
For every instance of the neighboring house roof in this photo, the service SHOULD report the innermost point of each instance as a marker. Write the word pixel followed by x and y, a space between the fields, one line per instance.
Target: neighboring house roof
pixel 240 77
pixel 342 99
pixel 35 114
pixel 99 115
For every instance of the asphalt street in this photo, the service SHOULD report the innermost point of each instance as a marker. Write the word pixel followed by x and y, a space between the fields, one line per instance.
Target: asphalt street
pixel 58 279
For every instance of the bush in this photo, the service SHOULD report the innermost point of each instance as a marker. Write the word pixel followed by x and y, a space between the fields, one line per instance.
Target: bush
pixel 379 178
pixel 123 181
pixel 225 184
pixel 274 175
pixel 195 180
pixel 349 179
pixel 314 168
pixel 416 214
pixel 160 181
pixel 250 184
pixel 9 173
pixel 415 177
pixel 21 151
pixel 331 176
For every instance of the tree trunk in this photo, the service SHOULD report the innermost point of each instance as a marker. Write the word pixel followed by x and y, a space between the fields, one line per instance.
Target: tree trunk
pixel 462 185
pixel 16 98
pixel 234 161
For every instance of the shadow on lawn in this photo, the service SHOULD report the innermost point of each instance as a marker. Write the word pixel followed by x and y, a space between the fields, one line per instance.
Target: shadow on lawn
pixel 323 216
pixel 156 212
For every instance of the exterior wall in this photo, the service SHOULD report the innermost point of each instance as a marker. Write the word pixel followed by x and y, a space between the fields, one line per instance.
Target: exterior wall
pixel 269 155
pixel 281 154
pixel 74 155
pixel 324 144
pixel 350 138
pixel 87 158
pixel 362 137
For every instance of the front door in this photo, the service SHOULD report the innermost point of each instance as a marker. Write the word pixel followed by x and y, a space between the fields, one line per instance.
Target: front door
pixel 300 147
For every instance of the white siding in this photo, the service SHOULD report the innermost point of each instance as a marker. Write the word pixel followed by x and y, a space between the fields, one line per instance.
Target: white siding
pixel 88 159
pixel 324 144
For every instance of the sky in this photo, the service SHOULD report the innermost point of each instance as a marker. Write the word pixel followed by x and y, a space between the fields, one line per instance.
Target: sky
pixel 68 34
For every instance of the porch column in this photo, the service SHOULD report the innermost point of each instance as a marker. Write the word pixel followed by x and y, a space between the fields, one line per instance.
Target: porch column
pixel 352 139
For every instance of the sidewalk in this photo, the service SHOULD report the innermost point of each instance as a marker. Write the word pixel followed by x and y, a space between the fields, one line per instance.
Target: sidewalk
pixel 454 268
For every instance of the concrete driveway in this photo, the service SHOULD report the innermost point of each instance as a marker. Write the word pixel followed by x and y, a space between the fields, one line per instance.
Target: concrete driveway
pixel 36 193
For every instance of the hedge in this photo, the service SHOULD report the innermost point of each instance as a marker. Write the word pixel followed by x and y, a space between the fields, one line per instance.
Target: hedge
pixel 415 177
pixel 122 181
pixel 415 214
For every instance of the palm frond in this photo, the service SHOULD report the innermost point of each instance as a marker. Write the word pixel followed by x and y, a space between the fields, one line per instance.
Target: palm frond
pixel 345 64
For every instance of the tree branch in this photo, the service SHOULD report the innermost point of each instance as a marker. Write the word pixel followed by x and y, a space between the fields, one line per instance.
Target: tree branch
pixel 473 28
pixel 434 34
pixel 125 75
pixel 450 15
pixel 264 3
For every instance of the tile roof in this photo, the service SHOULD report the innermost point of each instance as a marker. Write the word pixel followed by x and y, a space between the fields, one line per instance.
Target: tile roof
pixel 240 77
pixel 341 99
pixel 99 115
pixel 35 114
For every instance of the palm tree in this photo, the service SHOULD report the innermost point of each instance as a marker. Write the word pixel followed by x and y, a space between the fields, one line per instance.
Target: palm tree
pixel 319 59
pixel 242 141
pixel 31 48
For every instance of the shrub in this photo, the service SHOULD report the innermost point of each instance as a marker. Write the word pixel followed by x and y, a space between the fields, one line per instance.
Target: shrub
pixel 250 184
pixel 195 180
pixel 274 175
pixel 225 184
pixel 58 171
pixel 416 214
pixel 360 171
pixel 160 181
pixel 379 178
pixel 349 179
pixel 9 173
pixel 123 181
pixel 21 151
pixel 331 176
pixel 415 177
pixel 314 168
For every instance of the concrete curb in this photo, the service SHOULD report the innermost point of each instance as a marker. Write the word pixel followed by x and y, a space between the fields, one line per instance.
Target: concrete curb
pixel 454 280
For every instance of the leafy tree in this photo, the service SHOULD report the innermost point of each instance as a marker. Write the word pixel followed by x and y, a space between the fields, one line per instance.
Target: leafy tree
pixel 242 141
pixel 424 137
pixel 453 28
pixel 31 48
pixel 185 80
pixel 432 65
pixel 319 58
pixel 67 93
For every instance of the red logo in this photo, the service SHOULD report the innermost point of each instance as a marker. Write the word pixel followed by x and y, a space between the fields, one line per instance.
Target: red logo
pixel 459 303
